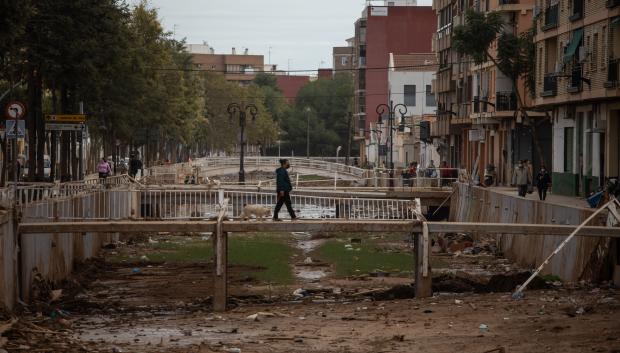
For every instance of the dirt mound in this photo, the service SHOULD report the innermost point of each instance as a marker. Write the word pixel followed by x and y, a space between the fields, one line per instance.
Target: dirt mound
pixel 495 284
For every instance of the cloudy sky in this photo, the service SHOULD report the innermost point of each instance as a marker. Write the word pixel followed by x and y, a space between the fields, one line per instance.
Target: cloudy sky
pixel 300 33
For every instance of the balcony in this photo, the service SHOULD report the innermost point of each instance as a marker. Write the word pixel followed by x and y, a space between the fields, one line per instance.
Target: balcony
pixel 574 83
pixel 505 101
pixel 480 104
pixel 612 3
pixel 551 17
pixel 612 73
pixel 508 2
pixel 550 85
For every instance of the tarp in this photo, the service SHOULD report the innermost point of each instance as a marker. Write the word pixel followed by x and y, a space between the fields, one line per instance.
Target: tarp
pixel 573 45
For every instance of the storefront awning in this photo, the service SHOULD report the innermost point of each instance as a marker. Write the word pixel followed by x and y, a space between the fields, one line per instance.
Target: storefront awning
pixel 571 49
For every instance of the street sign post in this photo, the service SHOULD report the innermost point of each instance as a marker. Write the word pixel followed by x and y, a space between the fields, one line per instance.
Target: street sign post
pixel 64 127
pixel 66 118
pixel 15 110
pixel 13 131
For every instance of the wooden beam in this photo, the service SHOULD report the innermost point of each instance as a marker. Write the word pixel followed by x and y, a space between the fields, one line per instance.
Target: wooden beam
pixel 521 229
pixel 326 225
pixel 117 227
pixel 323 225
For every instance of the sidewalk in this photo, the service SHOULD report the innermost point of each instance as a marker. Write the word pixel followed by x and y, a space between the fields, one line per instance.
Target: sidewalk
pixel 577 202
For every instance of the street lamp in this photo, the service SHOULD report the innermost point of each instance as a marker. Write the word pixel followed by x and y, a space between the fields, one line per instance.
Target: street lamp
pixel 242 109
pixel 307 113
pixel 391 110
pixel 336 174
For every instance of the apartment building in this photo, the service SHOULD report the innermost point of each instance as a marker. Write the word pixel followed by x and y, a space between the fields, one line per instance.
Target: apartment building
pixel 397 27
pixel 343 57
pixel 577 58
pixel 410 80
pixel 478 123
pixel 236 67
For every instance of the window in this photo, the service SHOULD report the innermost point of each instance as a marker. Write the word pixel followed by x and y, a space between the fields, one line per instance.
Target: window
pixel 604 46
pixel 344 61
pixel 430 97
pixel 409 95
pixel 569 133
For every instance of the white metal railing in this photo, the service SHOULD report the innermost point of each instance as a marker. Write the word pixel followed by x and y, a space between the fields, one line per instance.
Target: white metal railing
pixel 273 163
pixel 33 192
pixel 201 203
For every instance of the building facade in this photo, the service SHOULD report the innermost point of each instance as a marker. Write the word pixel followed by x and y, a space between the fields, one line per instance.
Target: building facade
pixel 479 122
pixel 397 28
pixel 239 68
pixel 343 57
pixel 577 56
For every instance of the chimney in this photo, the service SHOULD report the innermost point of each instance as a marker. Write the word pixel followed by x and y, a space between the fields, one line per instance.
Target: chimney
pixel 245 52
pixel 234 51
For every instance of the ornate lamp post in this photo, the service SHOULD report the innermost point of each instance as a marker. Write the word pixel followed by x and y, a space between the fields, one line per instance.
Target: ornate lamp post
pixel 242 109
pixel 391 109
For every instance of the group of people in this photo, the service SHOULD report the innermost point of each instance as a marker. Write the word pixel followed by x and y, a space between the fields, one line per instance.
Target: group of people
pixel 446 174
pixel 104 168
pixel 523 178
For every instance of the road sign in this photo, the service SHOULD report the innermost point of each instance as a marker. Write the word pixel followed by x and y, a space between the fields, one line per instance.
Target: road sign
pixel 67 118
pixel 10 129
pixel 64 127
pixel 15 110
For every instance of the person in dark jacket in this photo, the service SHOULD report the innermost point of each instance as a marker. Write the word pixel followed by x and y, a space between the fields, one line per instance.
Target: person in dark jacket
pixel 284 187
pixel 542 183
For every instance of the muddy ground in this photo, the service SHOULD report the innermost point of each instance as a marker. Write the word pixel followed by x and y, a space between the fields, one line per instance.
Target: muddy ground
pixel 166 307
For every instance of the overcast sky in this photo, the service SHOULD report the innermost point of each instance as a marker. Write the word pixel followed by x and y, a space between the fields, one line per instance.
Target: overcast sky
pixel 301 32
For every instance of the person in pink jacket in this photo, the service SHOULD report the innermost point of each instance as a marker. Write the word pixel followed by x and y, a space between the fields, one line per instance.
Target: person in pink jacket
pixel 103 168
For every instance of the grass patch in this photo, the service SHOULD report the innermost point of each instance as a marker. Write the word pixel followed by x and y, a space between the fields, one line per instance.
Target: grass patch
pixel 269 252
pixel 387 253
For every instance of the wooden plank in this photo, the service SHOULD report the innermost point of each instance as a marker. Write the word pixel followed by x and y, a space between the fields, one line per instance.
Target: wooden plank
pixel 324 225
pixel 423 284
pixel 118 227
pixel 521 229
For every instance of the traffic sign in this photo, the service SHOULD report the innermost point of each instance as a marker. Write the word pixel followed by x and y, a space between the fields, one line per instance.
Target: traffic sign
pixel 64 127
pixel 67 118
pixel 11 132
pixel 15 110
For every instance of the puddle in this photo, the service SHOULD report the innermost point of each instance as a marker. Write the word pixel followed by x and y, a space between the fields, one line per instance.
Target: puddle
pixel 305 243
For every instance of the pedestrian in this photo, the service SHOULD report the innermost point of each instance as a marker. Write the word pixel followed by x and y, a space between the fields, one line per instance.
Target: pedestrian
pixel 542 183
pixel 103 168
pixel 530 172
pixel 134 166
pixel 412 172
pixel 521 178
pixel 283 189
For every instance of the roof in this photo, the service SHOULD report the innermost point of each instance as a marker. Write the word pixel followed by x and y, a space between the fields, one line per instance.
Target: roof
pixel 416 62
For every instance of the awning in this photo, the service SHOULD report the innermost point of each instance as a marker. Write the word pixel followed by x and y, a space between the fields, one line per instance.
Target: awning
pixel 572 46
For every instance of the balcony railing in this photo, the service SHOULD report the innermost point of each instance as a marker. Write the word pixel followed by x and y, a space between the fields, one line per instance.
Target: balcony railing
pixel 574 83
pixel 550 85
pixel 505 101
pixel 612 73
pixel 508 2
pixel 551 17
pixel 480 104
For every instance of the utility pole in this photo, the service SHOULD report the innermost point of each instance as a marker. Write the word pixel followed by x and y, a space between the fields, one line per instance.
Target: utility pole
pixel 349 121
pixel 242 109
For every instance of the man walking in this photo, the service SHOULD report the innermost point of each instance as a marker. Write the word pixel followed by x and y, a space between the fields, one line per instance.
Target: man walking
pixel 542 183
pixel 283 189
pixel 134 165
pixel 522 178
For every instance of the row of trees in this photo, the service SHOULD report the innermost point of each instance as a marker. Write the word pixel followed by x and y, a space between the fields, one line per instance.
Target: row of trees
pixel 140 89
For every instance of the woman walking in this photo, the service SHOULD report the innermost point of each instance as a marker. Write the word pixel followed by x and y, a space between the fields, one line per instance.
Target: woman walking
pixel 542 183
pixel 103 168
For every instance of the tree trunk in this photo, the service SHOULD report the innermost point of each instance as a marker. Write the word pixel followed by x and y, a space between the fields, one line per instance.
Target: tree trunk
pixel 39 145
pixel 53 141
pixel 31 122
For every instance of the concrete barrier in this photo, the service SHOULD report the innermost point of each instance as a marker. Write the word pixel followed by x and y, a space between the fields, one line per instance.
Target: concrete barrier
pixel 583 258
pixel 7 262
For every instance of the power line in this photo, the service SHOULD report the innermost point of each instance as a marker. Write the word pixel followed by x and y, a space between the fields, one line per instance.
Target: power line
pixel 305 71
